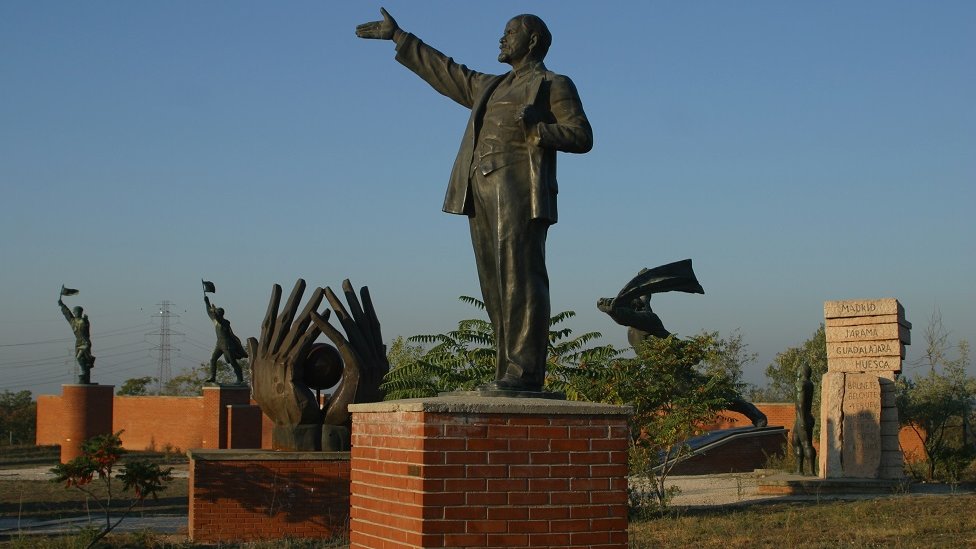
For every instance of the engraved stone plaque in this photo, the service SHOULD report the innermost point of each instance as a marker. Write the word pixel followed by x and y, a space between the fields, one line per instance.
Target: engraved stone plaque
pixel 868 332
pixel 858 349
pixel 861 431
pixel 863 307
pixel 831 417
pixel 865 364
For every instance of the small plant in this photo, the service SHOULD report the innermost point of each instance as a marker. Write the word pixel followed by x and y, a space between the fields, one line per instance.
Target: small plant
pixel 784 460
pixel 100 454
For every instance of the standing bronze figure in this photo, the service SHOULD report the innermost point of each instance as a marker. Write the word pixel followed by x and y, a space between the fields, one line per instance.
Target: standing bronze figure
pixel 81 327
pixel 802 436
pixel 228 345
pixel 504 178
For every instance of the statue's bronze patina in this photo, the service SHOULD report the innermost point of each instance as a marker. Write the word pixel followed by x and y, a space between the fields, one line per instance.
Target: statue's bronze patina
pixel 287 365
pixel 81 327
pixel 504 179
pixel 632 308
pixel 802 436
pixel 228 345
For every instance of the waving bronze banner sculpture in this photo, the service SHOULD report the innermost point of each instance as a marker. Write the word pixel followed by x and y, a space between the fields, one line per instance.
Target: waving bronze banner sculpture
pixel 81 327
pixel 632 308
pixel 228 344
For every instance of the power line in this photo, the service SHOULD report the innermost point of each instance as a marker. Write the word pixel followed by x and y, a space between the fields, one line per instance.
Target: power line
pixel 63 339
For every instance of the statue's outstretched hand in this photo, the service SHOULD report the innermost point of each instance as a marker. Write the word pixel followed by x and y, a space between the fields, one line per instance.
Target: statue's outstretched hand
pixel 379 30
pixel 277 360
pixel 362 351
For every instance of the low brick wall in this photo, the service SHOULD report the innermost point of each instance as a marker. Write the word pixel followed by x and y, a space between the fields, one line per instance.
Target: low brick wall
pixel 225 417
pixel 738 454
pixel 248 495
pixel 159 422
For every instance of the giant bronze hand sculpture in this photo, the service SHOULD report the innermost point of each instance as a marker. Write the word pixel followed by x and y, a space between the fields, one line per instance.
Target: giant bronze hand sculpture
pixel 363 353
pixel 278 367
pixel 287 364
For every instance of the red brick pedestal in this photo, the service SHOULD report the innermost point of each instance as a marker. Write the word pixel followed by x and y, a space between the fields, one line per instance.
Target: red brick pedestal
pixel 86 411
pixel 488 472
pixel 223 402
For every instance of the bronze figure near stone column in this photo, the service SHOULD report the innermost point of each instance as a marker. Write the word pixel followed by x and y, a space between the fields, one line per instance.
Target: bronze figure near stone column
pixel 504 179
pixel 81 327
pixel 802 435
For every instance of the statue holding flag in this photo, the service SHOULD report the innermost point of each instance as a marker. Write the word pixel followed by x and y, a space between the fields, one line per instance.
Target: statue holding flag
pixel 81 327
pixel 228 345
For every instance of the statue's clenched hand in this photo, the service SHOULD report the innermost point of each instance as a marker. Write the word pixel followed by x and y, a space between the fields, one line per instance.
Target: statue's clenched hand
pixel 278 359
pixel 379 30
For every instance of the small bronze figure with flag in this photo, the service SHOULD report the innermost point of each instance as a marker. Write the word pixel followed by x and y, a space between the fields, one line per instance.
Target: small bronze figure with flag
pixel 81 327
pixel 228 345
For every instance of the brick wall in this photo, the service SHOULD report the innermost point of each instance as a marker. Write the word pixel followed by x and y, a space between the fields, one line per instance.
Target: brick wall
pixel 469 479
pixel 48 420
pixel 180 423
pixel 158 422
pixel 741 454
pixel 242 495
pixel 162 422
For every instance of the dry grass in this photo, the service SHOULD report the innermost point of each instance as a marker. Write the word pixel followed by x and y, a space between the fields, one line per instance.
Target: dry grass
pixel 897 521
pixel 38 499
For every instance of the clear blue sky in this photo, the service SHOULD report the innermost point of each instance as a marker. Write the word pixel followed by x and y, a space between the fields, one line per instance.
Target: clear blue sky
pixel 798 152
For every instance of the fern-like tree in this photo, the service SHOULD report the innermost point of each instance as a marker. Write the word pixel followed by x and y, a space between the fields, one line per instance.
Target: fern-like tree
pixel 464 358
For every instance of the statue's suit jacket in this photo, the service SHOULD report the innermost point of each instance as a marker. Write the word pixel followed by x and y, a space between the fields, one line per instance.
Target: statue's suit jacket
pixel 563 125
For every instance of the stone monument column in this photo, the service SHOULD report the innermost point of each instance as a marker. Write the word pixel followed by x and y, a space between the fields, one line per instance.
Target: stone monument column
pixel 858 418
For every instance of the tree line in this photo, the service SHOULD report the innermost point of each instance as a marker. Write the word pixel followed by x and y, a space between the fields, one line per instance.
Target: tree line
pixel 674 384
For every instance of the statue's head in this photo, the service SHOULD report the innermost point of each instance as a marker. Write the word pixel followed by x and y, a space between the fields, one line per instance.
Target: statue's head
pixel 77 312
pixel 219 311
pixel 804 371
pixel 526 36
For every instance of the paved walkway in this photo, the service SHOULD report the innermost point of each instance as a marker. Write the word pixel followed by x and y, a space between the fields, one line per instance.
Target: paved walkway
pixel 162 524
